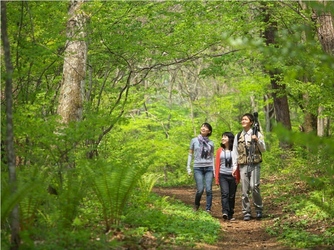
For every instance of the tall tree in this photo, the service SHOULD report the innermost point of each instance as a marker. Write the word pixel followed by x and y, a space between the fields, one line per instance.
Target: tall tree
pixel 15 221
pixel 280 98
pixel 74 69
pixel 325 28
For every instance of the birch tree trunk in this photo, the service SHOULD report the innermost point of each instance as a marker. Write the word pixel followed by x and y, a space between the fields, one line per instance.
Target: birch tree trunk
pixel 74 69
pixel 326 38
pixel 15 219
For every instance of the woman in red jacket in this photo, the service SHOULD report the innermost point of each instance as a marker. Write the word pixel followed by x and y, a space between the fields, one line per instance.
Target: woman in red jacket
pixel 224 178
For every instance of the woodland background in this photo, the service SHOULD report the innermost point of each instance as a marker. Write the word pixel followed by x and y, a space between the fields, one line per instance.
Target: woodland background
pixel 100 99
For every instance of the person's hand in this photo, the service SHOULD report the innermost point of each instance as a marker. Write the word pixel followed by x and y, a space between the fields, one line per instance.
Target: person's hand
pixel 189 174
pixel 254 137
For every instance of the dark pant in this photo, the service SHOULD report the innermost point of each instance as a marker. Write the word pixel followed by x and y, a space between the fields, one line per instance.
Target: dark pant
pixel 228 188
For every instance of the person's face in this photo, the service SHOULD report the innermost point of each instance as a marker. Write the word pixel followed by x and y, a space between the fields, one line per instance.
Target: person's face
pixel 246 123
pixel 225 139
pixel 205 131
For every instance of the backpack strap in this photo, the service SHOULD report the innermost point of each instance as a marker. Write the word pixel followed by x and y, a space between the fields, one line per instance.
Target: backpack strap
pixel 238 135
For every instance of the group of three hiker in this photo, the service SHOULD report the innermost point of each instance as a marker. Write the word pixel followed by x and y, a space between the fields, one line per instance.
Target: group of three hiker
pixel 238 159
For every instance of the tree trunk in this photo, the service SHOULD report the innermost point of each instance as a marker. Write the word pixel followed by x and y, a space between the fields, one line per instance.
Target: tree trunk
pixel 326 38
pixel 281 105
pixel 15 219
pixel 310 120
pixel 74 69
pixel 326 32
pixel 270 113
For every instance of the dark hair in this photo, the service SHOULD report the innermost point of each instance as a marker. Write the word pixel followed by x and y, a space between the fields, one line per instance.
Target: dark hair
pixel 250 117
pixel 230 140
pixel 208 126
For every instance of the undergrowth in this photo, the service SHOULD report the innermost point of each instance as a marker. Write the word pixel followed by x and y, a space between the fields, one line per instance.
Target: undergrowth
pixel 171 222
pixel 304 191
pixel 159 223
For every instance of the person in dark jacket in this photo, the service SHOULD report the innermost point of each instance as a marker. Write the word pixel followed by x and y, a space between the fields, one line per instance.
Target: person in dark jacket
pixel 224 178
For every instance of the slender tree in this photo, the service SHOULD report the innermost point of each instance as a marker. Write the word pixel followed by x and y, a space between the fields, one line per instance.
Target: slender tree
pixel 15 219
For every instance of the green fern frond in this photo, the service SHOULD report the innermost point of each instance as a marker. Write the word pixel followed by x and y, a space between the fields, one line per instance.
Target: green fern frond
pixel 113 185
pixel 70 196
pixel 146 184
pixel 9 199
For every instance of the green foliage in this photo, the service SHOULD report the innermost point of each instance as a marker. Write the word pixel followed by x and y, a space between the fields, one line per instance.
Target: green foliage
pixel 62 238
pixel 70 196
pixel 306 221
pixel 168 222
pixel 156 71
pixel 304 183
pixel 113 183
pixel 146 183
pixel 36 46
pixel 30 207
pixel 296 235
pixel 173 222
pixel 9 200
pixel 273 158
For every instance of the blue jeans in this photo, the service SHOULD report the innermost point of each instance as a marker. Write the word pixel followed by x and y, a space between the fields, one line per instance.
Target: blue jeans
pixel 203 176
pixel 228 187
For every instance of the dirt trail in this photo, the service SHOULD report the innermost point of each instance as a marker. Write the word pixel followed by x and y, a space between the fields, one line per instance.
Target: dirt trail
pixel 238 234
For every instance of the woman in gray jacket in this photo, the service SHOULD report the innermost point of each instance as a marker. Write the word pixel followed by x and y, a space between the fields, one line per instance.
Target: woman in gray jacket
pixel 202 150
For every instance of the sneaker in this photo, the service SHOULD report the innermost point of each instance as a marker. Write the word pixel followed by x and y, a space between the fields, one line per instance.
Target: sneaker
pixel 195 208
pixel 258 215
pixel 247 217
pixel 208 211
pixel 231 219
pixel 225 216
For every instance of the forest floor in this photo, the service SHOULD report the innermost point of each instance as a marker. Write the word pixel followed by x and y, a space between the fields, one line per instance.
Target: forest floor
pixel 238 234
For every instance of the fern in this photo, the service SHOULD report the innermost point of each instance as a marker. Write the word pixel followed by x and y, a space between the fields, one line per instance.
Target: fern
pixel 9 199
pixel 113 186
pixel 70 196
pixel 146 183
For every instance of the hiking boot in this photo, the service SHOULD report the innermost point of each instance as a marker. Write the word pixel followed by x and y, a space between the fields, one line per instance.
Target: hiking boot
pixel 225 216
pixel 258 215
pixel 247 217
pixel 195 208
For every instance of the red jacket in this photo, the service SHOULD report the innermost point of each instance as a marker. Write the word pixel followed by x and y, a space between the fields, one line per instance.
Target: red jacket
pixel 217 168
